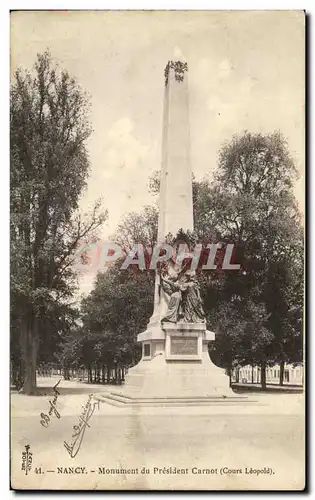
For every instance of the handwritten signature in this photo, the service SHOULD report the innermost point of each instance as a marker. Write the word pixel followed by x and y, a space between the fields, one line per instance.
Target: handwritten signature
pixel 79 430
pixel 45 419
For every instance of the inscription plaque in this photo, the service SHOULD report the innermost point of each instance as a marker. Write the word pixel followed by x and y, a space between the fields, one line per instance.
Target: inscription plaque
pixel 184 345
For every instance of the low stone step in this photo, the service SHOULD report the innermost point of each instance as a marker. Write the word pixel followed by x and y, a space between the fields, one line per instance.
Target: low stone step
pixel 179 398
pixel 124 401
pixel 109 401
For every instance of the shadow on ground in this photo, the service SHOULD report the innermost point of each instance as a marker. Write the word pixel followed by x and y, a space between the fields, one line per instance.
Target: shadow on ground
pixel 85 388
pixel 246 388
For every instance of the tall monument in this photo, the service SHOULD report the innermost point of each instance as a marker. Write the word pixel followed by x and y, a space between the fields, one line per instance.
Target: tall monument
pixel 175 361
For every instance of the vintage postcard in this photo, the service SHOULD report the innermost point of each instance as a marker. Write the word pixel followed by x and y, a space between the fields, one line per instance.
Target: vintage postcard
pixel 157 166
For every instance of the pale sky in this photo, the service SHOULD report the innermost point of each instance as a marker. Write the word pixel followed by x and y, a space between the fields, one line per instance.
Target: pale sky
pixel 246 71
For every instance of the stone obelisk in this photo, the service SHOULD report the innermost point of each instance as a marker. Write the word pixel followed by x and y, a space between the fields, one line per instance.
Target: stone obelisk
pixel 175 200
pixel 175 361
pixel 175 204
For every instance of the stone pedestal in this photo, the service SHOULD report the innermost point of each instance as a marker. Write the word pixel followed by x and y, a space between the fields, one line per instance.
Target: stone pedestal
pixel 176 364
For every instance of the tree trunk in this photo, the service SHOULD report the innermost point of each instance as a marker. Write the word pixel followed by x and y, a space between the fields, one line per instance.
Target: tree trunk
pixel 263 375
pixel 229 372
pixel 89 375
pixel 17 375
pixel 119 375
pixel 281 372
pixel 252 373
pixel 29 386
pixel 29 348
pixel 103 374
pixel 108 374
pixel 66 374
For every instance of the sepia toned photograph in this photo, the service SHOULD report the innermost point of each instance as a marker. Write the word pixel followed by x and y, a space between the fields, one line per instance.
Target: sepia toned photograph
pixel 157 220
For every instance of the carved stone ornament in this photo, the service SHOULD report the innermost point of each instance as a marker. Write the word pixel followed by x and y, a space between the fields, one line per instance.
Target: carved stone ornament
pixel 179 68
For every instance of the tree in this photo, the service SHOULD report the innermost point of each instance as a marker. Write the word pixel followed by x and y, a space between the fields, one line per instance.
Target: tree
pixel 251 204
pixel 49 168
pixel 69 352
pixel 138 228
pixel 122 303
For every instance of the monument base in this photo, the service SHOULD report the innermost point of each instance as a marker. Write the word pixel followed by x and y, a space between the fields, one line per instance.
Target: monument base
pixel 159 377
pixel 175 369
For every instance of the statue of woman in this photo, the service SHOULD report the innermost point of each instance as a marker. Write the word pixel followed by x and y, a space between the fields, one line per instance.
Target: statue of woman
pixel 185 300
pixel 191 300
pixel 172 288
